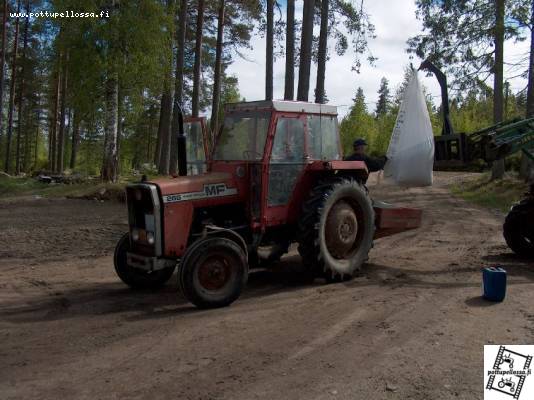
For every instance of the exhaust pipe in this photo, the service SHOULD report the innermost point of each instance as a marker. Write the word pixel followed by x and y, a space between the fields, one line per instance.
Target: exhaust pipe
pixel 182 153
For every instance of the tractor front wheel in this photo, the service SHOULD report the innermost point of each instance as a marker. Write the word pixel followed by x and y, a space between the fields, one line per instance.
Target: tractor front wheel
pixel 518 229
pixel 336 229
pixel 213 272
pixel 135 277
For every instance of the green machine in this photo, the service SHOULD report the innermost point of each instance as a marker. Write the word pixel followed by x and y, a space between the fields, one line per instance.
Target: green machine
pixel 489 144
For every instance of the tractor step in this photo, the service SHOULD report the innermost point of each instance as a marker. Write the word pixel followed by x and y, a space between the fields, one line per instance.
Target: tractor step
pixel 390 220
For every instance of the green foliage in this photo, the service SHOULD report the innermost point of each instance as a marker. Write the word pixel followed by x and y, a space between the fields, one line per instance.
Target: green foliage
pixel 136 39
pixel 229 93
pixel 468 114
pixel 348 17
pixel 474 111
pixel 458 36
pixel 359 123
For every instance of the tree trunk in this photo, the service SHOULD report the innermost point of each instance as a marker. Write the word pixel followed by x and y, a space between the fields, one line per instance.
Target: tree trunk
pixel 164 130
pixel 61 136
pixel 320 95
pixel 26 150
pixel 289 89
pixel 526 170
pixel 305 51
pixel 217 73
pixel 2 67
pixel 120 126
pixel 109 171
pixel 152 117
pixel 166 105
pixel 50 130
pixel 21 92
pixel 12 92
pixel 157 152
pixel 55 120
pixel 75 139
pixel 497 170
pixel 269 51
pixel 198 60
pixel 178 84
pixel 37 126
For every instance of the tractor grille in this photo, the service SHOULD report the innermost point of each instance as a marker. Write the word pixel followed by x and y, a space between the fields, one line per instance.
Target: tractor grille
pixel 144 219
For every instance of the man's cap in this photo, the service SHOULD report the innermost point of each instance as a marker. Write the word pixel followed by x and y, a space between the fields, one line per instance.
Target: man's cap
pixel 359 142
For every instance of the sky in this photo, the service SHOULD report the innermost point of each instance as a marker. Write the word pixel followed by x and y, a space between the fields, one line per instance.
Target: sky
pixel 395 21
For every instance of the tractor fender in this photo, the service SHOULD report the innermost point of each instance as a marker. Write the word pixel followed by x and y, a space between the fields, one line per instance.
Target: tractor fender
pixel 355 169
pixel 213 230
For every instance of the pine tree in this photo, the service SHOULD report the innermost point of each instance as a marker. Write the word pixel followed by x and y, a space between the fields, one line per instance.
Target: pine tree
pixel 178 83
pixel 342 21
pixel 269 51
pixel 305 51
pixel 289 87
pixel 198 59
pixel 382 104
pixel 358 123
pixel 12 93
pixel 218 69
pixel 2 66
pixel 320 94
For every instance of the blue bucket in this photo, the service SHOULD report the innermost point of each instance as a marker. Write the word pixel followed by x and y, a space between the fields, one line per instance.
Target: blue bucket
pixel 494 279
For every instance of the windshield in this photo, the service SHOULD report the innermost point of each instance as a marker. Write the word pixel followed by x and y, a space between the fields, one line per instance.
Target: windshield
pixel 243 136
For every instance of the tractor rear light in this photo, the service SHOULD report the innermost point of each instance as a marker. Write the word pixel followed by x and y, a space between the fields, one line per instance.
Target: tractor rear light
pixel 135 235
pixel 150 237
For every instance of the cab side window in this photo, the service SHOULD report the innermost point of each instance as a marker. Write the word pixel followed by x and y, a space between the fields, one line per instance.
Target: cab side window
pixel 323 139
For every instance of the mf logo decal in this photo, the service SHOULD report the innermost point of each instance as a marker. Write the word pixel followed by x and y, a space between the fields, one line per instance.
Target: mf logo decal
pixel 211 190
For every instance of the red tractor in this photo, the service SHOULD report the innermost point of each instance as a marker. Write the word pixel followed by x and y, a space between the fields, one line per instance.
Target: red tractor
pixel 275 176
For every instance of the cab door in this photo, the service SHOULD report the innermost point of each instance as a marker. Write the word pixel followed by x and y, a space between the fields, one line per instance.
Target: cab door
pixel 196 134
pixel 288 159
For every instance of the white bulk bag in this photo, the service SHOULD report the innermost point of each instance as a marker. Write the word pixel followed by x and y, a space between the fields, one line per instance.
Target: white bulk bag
pixel 411 149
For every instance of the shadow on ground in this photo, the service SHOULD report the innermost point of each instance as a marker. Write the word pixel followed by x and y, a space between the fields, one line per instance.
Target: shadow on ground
pixel 284 276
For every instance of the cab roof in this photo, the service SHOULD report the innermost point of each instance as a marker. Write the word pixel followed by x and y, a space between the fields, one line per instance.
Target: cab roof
pixel 283 105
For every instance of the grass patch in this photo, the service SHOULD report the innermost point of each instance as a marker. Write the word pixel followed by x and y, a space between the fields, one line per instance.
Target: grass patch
pixel 499 194
pixel 22 186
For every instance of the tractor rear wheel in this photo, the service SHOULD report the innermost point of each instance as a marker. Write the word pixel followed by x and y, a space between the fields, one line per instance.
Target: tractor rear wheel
pixel 518 229
pixel 135 277
pixel 336 230
pixel 213 272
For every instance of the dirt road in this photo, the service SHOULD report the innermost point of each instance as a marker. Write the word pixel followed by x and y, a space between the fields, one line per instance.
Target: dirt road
pixel 412 326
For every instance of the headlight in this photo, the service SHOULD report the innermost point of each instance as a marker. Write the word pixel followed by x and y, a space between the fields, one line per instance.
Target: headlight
pixel 150 237
pixel 135 235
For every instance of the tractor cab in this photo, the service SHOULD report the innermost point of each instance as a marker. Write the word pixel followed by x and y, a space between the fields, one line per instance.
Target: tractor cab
pixel 271 144
pixel 275 177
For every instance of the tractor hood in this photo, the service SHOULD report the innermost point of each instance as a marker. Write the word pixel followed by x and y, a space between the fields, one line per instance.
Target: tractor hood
pixel 196 187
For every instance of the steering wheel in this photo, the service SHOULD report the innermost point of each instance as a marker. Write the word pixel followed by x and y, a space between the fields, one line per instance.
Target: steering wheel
pixel 255 155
